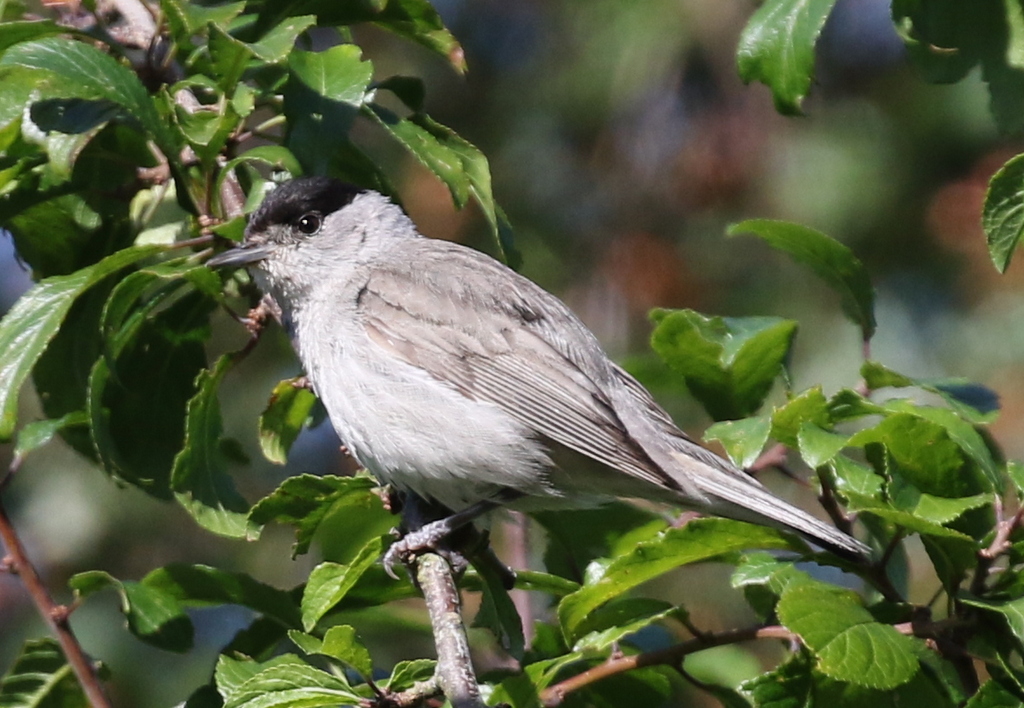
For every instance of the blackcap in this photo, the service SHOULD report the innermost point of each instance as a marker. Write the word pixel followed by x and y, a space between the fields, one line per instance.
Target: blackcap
pixel 451 376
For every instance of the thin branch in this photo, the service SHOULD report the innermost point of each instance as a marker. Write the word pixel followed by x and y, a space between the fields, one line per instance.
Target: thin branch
pixel 455 673
pixel 409 698
pixel 55 616
pixel 670 656
pixel 673 655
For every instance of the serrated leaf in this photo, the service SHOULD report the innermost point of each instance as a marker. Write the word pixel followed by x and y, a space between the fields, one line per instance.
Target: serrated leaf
pixel 809 407
pixel 960 431
pixel 849 644
pixel 777 48
pixel 827 258
pixel 137 420
pixel 993 694
pixel 153 616
pixel 306 500
pixel 1012 612
pixel 199 478
pixel 34 319
pixel 406 673
pixel 460 165
pixel 612 623
pixel 341 643
pixel 975 402
pixel 38 433
pixel 330 582
pixel 729 364
pixel 283 419
pixel 83 71
pixel 278 43
pixel 818 446
pixel 321 100
pixel 699 540
pixel 288 684
pixel 40 677
pixel 1002 216
pixel 230 673
pixel 742 439
pixel 201 585
pixel 925 454
pixel 498 613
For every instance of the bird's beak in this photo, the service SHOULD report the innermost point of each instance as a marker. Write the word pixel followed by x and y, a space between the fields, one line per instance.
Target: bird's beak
pixel 239 256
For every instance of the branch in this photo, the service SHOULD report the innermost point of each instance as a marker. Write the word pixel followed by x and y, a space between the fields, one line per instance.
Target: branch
pixel 55 616
pixel 670 656
pixel 454 667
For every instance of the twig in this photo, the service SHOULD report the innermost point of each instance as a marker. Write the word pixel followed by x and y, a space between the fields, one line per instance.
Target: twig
pixel 670 656
pixel 830 504
pixel 55 616
pixel 410 697
pixel 1000 544
pixel 454 667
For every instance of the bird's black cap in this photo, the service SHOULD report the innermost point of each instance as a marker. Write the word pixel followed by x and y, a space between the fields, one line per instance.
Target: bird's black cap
pixel 303 195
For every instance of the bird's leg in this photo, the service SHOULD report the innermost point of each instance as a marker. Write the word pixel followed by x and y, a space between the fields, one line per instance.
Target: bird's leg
pixel 427 534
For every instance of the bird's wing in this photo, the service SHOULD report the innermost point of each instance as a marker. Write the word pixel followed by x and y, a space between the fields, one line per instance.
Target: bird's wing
pixel 497 337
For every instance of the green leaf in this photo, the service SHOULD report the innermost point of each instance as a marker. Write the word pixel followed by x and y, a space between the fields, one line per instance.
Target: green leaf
pixel 808 408
pixel 276 156
pixel 974 402
pixel 1003 213
pixel 40 677
pixel 340 643
pixel 286 414
pixel 818 446
pixel 37 434
pixel 699 540
pixel 614 622
pixel 321 100
pixel 137 420
pixel 992 694
pixel 791 685
pixel 12 33
pixel 924 453
pixel 777 48
pixel 456 162
pixel 305 501
pixel 743 439
pixel 729 364
pixel 153 616
pixel 83 71
pixel 850 645
pixel 406 673
pixel 964 434
pixel 1011 611
pixel 291 685
pixel 201 585
pixel 199 478
pixel 498 613
pixel 279 42
pixel 34 320
pixel 330 582
pixel 854 480
pixel 231 673
pixel 415 20
pixel 827 258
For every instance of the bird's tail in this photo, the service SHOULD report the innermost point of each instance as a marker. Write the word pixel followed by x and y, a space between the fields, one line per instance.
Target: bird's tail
pixel 732 493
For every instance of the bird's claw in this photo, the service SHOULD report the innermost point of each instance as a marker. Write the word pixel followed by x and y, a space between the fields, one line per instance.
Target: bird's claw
pixel 427 538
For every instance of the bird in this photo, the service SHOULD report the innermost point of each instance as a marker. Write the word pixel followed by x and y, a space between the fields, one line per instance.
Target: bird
pixel 450 376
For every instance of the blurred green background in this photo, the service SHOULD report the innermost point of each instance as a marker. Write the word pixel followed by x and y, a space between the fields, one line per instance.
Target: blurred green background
pixel 622 143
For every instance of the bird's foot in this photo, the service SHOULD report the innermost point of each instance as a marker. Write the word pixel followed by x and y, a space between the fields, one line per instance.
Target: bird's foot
pixel 428 538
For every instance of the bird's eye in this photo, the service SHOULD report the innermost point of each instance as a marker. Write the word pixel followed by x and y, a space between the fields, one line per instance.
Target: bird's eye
pixel 309 223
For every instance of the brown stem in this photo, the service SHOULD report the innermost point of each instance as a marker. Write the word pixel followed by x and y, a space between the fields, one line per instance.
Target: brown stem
pixel 670 656
pixel 413 696
pixel 55 616
pixel 454 667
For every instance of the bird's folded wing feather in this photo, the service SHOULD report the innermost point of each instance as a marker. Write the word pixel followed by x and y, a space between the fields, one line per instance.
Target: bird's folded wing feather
pixel 497 337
